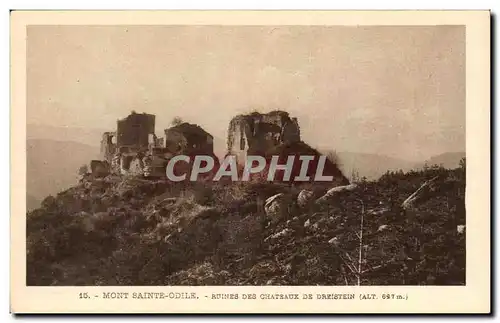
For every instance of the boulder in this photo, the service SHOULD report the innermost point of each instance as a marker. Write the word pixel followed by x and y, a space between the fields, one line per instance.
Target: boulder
pixel 280 234
pixel 304 198
pixel 383 227
pixel 337 189
pixel 334 241
pixel 169 201
pixel 331 193
pixel 378 211
pixel 277 206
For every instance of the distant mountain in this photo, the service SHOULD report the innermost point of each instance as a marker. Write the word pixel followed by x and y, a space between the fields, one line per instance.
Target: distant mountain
pixel 371 166
pixel 54 155
pixel 53 165
pixel 87 136
pixel 449 160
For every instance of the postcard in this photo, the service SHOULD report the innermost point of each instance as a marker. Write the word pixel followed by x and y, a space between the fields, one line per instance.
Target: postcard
pixel 250 162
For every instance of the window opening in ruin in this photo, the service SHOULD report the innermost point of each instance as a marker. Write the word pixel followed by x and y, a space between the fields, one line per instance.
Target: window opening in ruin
pixel 242 143
pixel 127 161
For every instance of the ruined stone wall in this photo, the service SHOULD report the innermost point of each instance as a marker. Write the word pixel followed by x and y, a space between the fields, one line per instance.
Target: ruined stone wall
pixel 189 139
pixel 135 129
pixel 175 141
pixel 258 133
pixel 240 137
pixel 290 131
pixel 160 142
pixel 108 145
pixel 278 118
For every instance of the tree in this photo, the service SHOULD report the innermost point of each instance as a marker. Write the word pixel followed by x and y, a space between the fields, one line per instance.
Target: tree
pixel 332 156
pixel 462 163
pixel 176 121
pixel 83 170
pixel 355 176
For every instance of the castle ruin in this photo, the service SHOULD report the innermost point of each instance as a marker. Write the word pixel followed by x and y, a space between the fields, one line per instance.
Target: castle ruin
pixel 257 134
pixel 134 149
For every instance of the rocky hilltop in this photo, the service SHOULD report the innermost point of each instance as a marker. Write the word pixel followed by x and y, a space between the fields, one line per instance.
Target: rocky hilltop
pixel 131 231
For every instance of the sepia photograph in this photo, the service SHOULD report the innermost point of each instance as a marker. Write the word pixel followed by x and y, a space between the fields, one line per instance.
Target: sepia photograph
pixel 239 154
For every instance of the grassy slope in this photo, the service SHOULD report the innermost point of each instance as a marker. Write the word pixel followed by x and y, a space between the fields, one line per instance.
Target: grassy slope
pixel 131 232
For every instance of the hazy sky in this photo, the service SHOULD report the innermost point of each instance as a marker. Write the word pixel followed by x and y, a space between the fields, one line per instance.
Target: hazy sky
pixel 398 91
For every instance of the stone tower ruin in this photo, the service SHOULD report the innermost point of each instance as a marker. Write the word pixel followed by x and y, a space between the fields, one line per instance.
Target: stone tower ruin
pixel 256 134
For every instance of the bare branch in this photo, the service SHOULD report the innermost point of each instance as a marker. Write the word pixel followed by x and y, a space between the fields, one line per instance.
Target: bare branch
pixel 411 200
pixel 360 259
